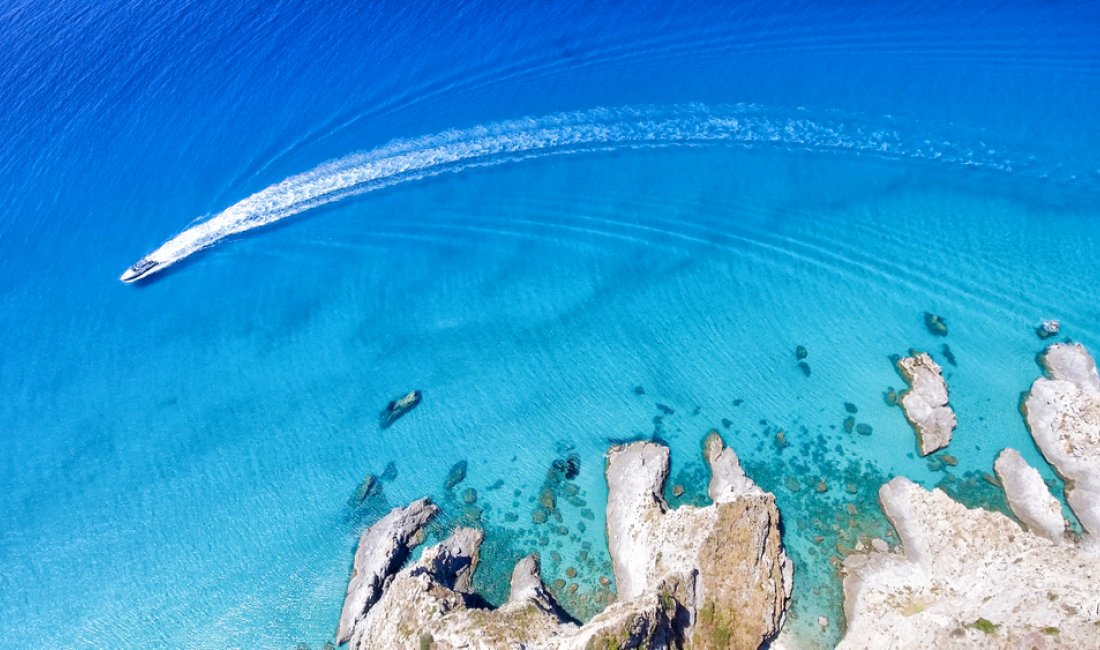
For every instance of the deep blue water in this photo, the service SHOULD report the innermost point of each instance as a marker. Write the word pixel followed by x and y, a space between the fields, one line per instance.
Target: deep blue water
pixel 176 457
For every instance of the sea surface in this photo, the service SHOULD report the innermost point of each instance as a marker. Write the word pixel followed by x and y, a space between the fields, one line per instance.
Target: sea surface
pixel 568 225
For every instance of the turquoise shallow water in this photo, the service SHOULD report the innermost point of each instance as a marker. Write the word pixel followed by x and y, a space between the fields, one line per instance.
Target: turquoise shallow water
pixel 527 319
pixel 178 456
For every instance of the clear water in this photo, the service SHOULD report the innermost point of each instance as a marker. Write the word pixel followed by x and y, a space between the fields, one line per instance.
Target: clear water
pixel 177 457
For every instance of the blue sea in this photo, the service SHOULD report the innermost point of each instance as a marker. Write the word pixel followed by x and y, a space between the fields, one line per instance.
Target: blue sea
pixel 567 224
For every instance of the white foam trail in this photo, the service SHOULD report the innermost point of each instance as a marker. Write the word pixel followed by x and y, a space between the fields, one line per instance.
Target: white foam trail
pixel 450 151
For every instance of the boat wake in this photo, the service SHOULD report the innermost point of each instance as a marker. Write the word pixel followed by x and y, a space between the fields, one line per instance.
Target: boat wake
pixel 584 131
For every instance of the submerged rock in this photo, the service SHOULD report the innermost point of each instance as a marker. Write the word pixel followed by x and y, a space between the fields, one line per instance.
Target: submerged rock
pixel 804 367
pixel 390 472
pixel 370 487
pixel 398 408
pixel 712 577
pixel 925 402
pixel 456 475
pixel 800 352
pixel 949 355
pixel 935 324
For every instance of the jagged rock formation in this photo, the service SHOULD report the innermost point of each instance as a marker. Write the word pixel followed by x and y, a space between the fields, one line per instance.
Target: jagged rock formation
pixel 973 578
pixel 925 403
pixel 382 549
pixel 1063 413
pixel 711 577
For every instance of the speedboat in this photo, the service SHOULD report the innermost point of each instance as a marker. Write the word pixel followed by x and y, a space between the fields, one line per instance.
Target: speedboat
pixel 139 270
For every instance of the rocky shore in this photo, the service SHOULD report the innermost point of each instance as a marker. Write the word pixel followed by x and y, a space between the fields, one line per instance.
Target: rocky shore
pixel 974 578
pixel 706 577
pixel 718 576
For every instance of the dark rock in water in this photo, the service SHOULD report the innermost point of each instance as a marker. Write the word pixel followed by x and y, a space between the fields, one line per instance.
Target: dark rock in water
pixel 667 410
pixel 1048 328
pixel 390 472
pixel 370 487
pixel 469 495
pixel 398 408
pixel 849 424
pixel 456 475
pixel 567 467
pixel 499 483
pixel 638 390
pixel 801 352
pixel 935 323
pixel 864 429
pixel 677 491
pixel 738 402
pixel 949 355
pixel 804 367
pixel 727 423
pixel 572 466
pixel 890 396
pixel 851 408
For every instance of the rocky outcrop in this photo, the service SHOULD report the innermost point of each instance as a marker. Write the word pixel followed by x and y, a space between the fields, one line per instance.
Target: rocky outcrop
pixel 1048 328
pixel 1029 497
pixel 1063 413
pixel 925 403
pixel 974 578
pixel 704 577
pixel 382 549
pixel 724 563
pixel 967 578
pixel 727 479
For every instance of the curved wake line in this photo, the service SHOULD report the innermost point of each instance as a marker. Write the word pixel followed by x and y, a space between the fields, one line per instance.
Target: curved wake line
pixel 584 131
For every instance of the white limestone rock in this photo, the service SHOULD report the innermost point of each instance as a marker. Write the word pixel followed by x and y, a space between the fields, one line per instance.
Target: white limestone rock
pixel 1063 413
pixel 715 576
pixel 382 549
pixel 727 479
pixel 1029 497
pixel 968 579
pixel 726 558
pixel 925 403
